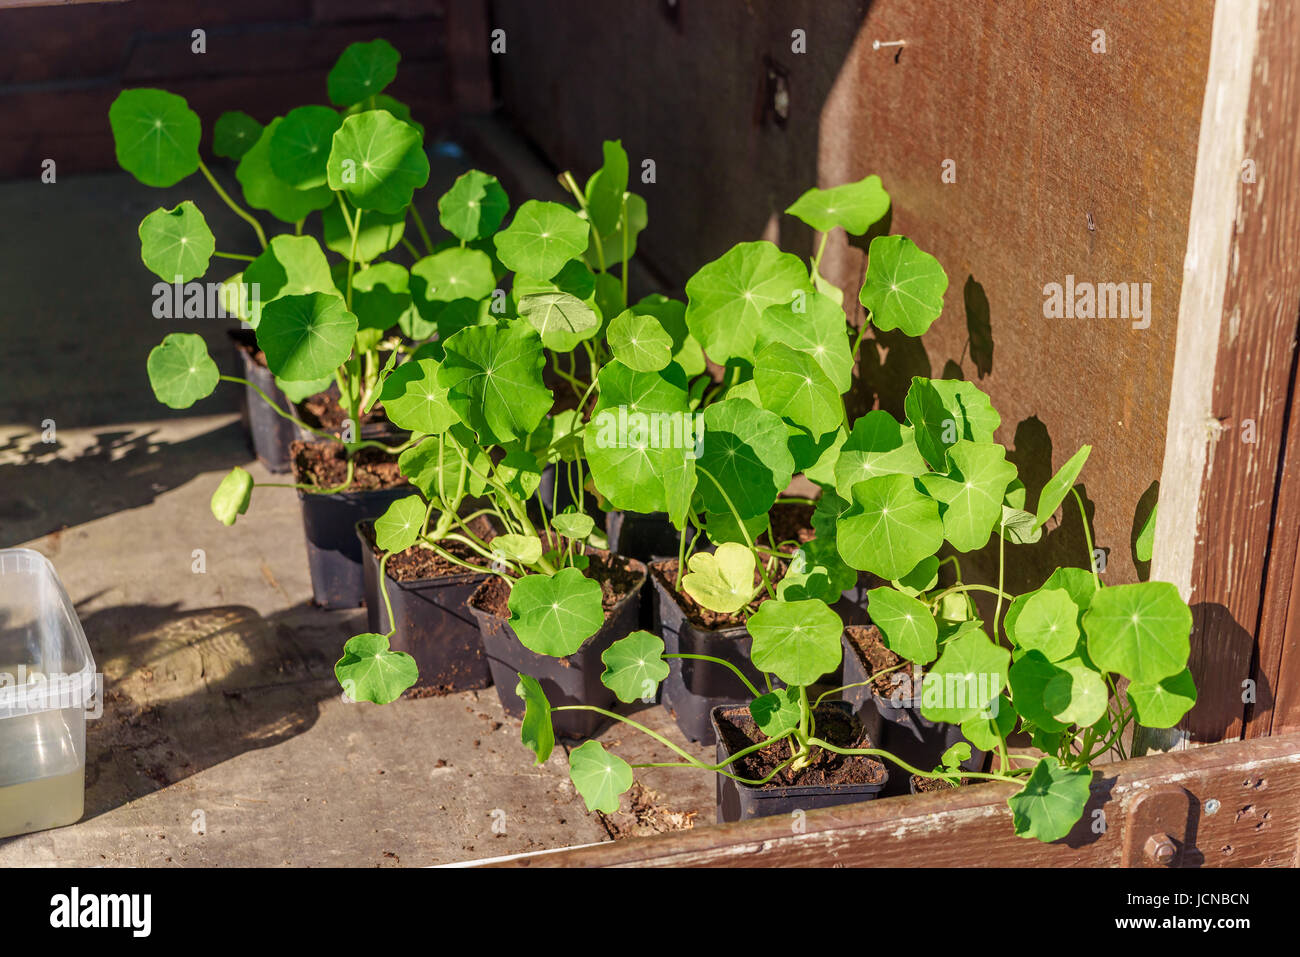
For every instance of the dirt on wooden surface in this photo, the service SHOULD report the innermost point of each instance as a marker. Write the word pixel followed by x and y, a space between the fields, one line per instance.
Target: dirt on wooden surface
pixel 422 564
pixel 618 577
pixel 869 644
pixel 642 812
pixel 926 785
pixel 740 731
pixel 326 464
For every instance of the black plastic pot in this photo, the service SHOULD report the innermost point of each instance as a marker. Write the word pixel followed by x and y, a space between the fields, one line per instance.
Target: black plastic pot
pixel 434 624
pixel 741 802
pixel 333 551
pixel 574 679
pixel 270 434
pixel 647 538
pixel 904 731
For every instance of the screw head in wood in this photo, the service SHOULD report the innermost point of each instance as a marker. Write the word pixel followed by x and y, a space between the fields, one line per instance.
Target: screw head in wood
pixel 1160 848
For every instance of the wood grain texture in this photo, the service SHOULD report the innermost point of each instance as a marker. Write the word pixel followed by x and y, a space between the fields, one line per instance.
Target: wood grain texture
pixel 1256 823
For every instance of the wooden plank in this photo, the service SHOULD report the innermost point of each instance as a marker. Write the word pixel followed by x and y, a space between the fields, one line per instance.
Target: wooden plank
pixel 1256 823
pixel 467 49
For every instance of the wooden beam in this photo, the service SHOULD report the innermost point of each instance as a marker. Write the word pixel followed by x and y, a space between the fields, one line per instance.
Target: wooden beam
pixel 1255 822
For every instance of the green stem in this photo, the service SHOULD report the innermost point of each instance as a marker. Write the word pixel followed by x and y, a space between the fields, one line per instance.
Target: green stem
pixel 238 210
pixel 997 610
pixel 314 489
pixel 1087 537
pixel 625 225
pixel 424 233
pixel 383 588
pixel 276 409
pixel 878 753
pixel 240 256
pixel 720 661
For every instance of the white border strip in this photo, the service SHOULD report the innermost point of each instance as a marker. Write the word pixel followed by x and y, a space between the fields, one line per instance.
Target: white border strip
pixel 515 857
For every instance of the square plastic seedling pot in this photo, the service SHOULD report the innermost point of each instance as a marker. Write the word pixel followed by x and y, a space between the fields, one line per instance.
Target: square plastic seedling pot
pixel 47 683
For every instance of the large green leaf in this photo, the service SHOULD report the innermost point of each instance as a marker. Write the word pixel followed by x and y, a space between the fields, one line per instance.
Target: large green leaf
pixel 793 385
pixel 493 378
pixel 1140 631
pixel 560 319
pixel 400 525
pixel 1051 801
pixel 378 161
pixel 639 341
pixel 798 641
pixel 155 135
pixel 474 206
pixel 634 666
pixel 744 451
pixel 722 581
pixel 1059 485
pixel 878 445
pixel 967 677
pixel 176 243
pixel 1048 622
pixel 906 623
pixel 536 730
pixel 306 337
pixel 889 527
pixel 541 239
pixel 855 206
pixel 1162 704
pixel 231 498
pixel 362 70
pixel 301 145
pixel 904 285
pixel 180 370
pixel 726 298
pixel 437 465
pixel 600 777
pixel 555 614
pixel 815 325
pixel 414 400
pixel 970 495
pixel 1076 582
pixel 369 671
pixel 234 134
pixel 289 266
pixel 264 190
pixel 451 280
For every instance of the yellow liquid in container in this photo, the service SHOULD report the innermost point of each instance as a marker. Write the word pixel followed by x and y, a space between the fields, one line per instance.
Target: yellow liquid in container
pixel 45 802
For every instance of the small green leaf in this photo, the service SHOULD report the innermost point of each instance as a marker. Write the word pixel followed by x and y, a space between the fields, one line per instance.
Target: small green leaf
pixel 378 161
pixel 1077 694
pixel 945 411
pixel 600 777
pixel 520 472
pixel 855 206
pixel 289 266
pixel 230 500
pixel 889 527
pixel 181 371
pixel 793 385
pixel 1018 526
pixel 368 671
pixel 955 755
pixel 493 378
pixel 554 614
pixel 306 337
pixel 671 315
pixel 798 641
pixel 1059 485
pixel 1140 631
pixel 1051 801
pixel 155 135
pixel 634 666
pixel 985 733
pixel 777 712
pixel 1144 546
pixel 176 243
pixel 722 581
pixel 525 549
pixel 906 623
pixel 639 341
pixel 1162 704
pixel 264 190
pixel 474 206
pixel 605 189
pixel 362 70
pixel 234 134
pixel 380 297
pixel 967 677
pixel 904 285
pixel 560 319
pixel 400 526
pixel 1048 622
pixel 437 465
pixel 574 525
pixel 413 399
pixel 301 145
pixel 921 578
pixel 537 731
pixel 541 239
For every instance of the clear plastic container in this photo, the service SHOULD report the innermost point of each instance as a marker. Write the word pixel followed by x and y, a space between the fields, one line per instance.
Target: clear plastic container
pixel 47 685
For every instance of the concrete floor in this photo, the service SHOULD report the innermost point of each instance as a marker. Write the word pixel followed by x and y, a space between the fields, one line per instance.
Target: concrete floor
pixel 224 739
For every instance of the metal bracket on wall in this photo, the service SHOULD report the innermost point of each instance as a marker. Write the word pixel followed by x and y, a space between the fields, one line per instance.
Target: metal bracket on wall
pixel 1159 830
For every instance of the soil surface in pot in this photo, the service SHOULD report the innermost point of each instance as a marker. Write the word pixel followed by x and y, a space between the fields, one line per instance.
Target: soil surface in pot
pixel 617 581
pixel 420 564
pixel 791 523
pixel 699 616
pixel 326 464
pixel 926 785
pixel 868 642
pixel 322 411
pixel 828 768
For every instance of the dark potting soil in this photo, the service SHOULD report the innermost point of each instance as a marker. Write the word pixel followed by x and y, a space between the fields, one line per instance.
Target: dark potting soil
pixel 666 571
pixel 870 646
pixel 616 579
pixel 421 564
pixel 248 346
pixel 926 785
pixel 322 411
pixel 326 464
pixel 828 768
pixel 791 523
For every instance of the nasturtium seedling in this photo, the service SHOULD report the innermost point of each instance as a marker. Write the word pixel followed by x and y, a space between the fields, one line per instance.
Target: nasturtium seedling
pixel 400 525
pixel 600 777
pixel 493 378
pixel 474 206
pixel 1162 704
pixel 889 527
pixel 574 525
pixel 289 266
pixel 1140 631
pixel 230 500
pixel 541 238
pixel 176 243
pixel 793 385
pixel 745 456
pixel 634 666
pixel 722 581
pixel 181 371
pixel 234 134
pixel 970 495
pixel 1048 623
pixel 908 626
pixel 776 713
pixel 155 135
pixel 437 465
pixel 263 189
pixel 798 641
pixel 369 671
pixel 921 579
pixel 942 412
pixel 301 144
pixel 306 337
pixel 554 614
pixel 815 325
pixel 966 679
pixel 904 285
pixel 855 206
pixel 1051 802
pixel 877 445
pixel 362 70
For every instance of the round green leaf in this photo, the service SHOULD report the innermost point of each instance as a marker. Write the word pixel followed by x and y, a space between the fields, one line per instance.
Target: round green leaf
pixel 474 206
pixel 378 161
pixel 368 671
pixel 1075 582
pixel 744 451
pixel 575 525
pixel 377 233
pixel 301 144
pixel 815 325
pixel 231 498
pixel 541 239
pixel 1029 677
pixel 889 527
pixel 1076 694
pixel 671 315
pixel 176 244
pixel 554 614
pixel 855 206
pixel 943 412
pixel 306 337
pixel 878 445
pixel 906 623
pixel 793 385
pixel 1162 704
pixel 264 190
pixel 985 733
pixel 904 285
pixel 1059 485
pixel 180 370
pixel 966 679
pixel 600 777
pixel 525 549
pixel 726 298
pixel 413 399
pixel 156 136
pixel 777 713
pixel 234 134
pixel 450 275
pixel 634 666
pixel 722 581
pixel 639 342
pixel 1047 622
pixel 289 266
pixel 400 526
pixel 537 731
pixel 362 70
pixel 1051 801
pixel 1140 631
pixel 560 319
pixel 798 641
pixel 970 495
pixel 493 378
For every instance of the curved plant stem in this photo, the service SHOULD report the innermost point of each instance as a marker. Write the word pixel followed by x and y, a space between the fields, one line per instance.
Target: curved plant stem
pixel 424 233
pixel 383 588
pixel 240 256
pixel 238 210
pixel 277 410
pixel 1087 537
pixel 739 674
pixel 878 753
